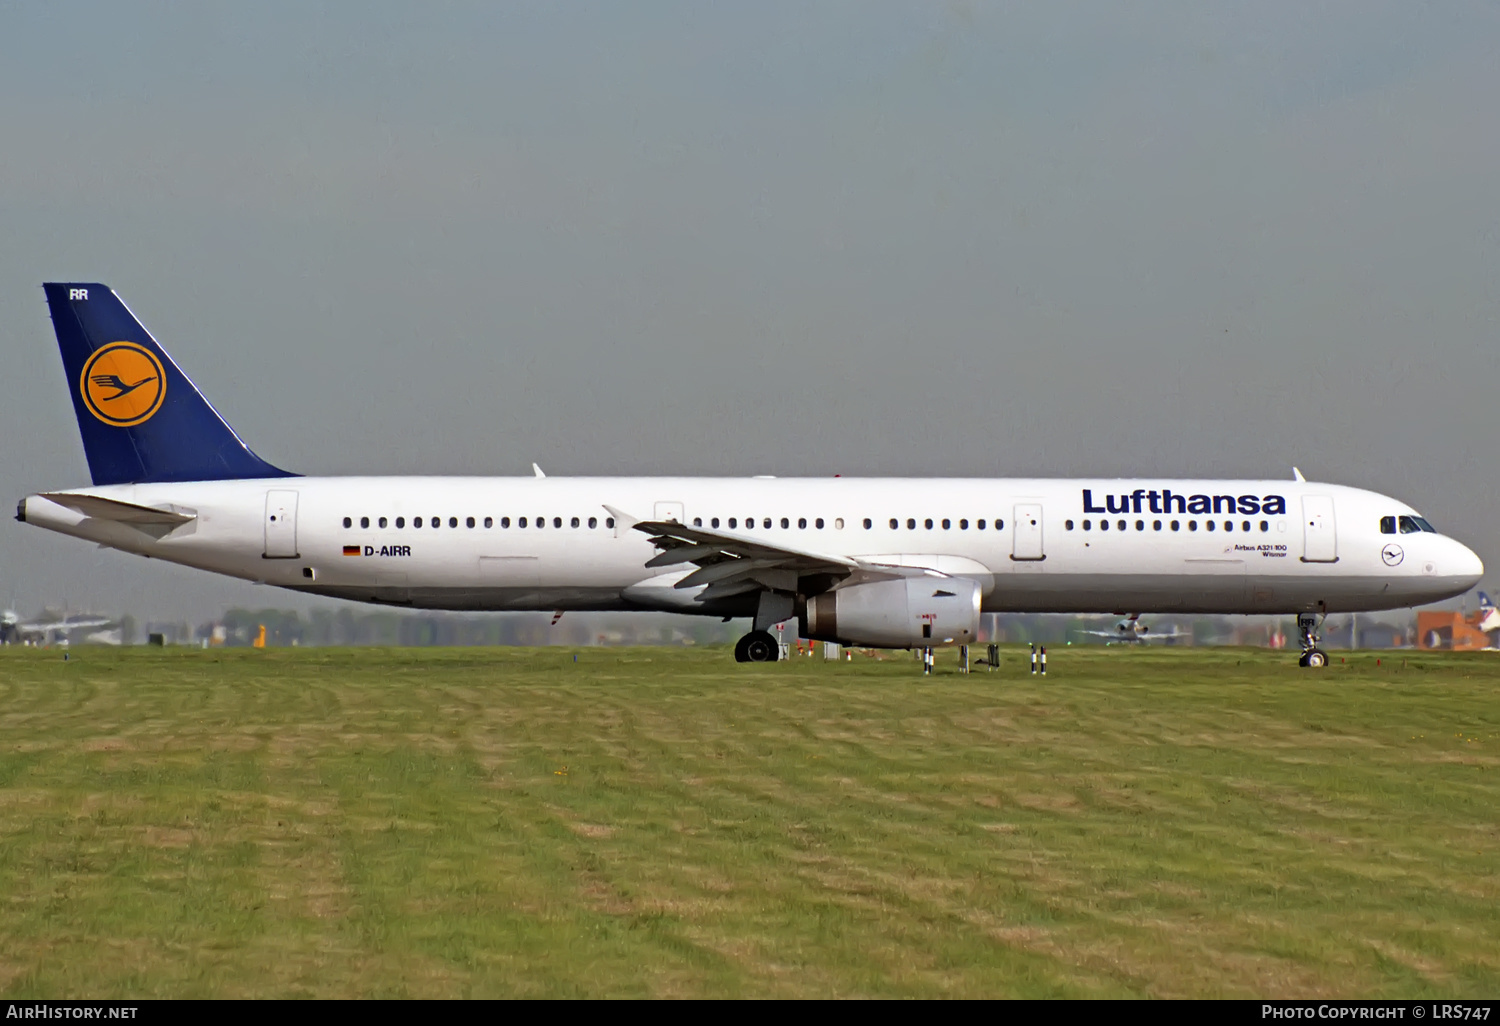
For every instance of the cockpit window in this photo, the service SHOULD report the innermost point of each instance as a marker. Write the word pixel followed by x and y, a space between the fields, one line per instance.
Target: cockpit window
pixel 1415 525
pixel 1387 525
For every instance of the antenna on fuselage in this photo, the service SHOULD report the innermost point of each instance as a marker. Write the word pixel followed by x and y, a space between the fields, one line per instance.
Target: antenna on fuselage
pixel 1296 474
pixel 537 470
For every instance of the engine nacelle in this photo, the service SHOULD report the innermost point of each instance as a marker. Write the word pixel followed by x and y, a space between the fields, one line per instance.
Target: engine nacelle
pixel 912 612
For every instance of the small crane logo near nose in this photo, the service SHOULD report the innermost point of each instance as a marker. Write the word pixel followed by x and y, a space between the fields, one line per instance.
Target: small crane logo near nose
pixel 1392 555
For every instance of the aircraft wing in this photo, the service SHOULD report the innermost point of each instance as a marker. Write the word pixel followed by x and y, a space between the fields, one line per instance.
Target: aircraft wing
pixel 124 512
pixel 730 564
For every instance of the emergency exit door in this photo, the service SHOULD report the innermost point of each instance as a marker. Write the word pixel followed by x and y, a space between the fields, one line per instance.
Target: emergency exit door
pixel 1027 533
pixel 1320 540
pixel 281 525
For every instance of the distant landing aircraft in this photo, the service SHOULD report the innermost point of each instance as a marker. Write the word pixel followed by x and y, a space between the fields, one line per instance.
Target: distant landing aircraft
pixel 15 631
pixel 1132 631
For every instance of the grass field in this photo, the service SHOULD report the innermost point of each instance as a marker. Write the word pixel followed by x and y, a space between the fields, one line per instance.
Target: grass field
pixel 654 822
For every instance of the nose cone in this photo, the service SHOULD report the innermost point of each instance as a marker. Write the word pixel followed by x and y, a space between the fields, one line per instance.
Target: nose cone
pixel 1466 564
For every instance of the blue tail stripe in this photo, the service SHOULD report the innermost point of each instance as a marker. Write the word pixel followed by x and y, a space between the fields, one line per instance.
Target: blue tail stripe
pixel 141 418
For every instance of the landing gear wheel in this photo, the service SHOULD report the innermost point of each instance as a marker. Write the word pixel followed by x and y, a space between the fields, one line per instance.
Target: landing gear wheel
pixel 1312 656
pixel 757 647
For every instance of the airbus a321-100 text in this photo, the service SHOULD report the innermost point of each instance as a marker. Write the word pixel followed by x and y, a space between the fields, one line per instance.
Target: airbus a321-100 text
pixel 883 563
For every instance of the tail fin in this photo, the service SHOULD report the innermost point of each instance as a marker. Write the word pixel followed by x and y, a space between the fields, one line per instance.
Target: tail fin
pixel 140 417
pixel 1484 601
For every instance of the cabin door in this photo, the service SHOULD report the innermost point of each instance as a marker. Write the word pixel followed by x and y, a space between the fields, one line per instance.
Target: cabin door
pixel 1027 532
pixel 1320 542
pixel 281 525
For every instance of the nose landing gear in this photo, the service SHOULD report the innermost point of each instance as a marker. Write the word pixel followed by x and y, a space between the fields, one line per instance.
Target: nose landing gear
pixel 1312 656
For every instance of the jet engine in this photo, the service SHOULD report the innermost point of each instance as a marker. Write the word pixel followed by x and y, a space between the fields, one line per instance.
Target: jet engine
pixel 911 612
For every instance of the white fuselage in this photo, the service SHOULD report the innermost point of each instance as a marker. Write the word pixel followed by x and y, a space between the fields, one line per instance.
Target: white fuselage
pixel 1023 540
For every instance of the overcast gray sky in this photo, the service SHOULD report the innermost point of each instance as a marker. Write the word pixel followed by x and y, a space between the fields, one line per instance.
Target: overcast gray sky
pixel 963 239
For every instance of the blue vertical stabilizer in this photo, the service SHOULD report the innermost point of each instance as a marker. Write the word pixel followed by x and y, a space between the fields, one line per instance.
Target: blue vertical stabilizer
pixel 140 417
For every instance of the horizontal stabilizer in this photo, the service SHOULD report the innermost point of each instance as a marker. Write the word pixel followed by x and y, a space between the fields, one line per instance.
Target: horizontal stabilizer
pixel 121 512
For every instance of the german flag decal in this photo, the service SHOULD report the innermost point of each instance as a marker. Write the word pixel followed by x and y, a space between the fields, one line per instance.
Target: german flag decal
pixel 351 550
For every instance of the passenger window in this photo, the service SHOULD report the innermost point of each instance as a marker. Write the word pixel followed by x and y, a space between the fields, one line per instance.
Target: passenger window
pixel 963 525
pixel 1192 525
pixel 382 521
pixel 785 523
pixel 489 521
pixel 1104 525
pixel 1245 527
pixel 1140 525
pixel 609 521
pixel 1229 525
pixel 979 525
pixel 749 523
pixel 416 522
pixel 557 521
pixel 574 522
pixel 400 521
pixel 520 521
pixel 802 523
pixel 1068 525
pixel 1265 525
pixel 1156 525
pixel 766 523
pixel 818 523
pixel 911 524
pixel 469 522
pixel 868 523
pixel 539 522
pixel 593 523
pixel 999 525
pixel 1121 525
pixel 838 523
pixel 927 523
pixel 505 521
pixel 947 524
pixel 1208 525
pixel 1176 524
pixel 1088 525
pixel 894 524
pixel 438 522
pixel 714 522
pixel 1387 525
pixel 348 522
pixel 453 521
pixel 364 521
pixel 697 521
pixel 732 523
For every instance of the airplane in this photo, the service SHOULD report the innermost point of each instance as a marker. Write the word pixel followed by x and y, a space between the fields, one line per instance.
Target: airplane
pixel 1131 631
pixel 1489 616
pixel 41 632
pixel 874 562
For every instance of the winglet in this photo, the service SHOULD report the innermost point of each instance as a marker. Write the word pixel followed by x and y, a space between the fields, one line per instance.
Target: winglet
pixel 623 521
pixel 1297 475
pixel 537 470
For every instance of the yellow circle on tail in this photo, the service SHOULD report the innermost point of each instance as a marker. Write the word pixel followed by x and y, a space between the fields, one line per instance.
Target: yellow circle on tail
pixel 123 384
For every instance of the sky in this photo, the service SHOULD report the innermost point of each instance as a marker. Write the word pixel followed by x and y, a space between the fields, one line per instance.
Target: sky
pixel 1062 239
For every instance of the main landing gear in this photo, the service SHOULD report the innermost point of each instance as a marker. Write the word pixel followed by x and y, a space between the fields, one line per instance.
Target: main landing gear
pixel 1312 656
pixel 757 647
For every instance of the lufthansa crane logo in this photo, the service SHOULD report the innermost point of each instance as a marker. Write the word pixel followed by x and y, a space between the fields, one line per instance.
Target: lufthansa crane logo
pixel 1392 554
pixel 123 384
